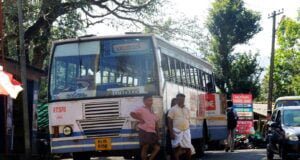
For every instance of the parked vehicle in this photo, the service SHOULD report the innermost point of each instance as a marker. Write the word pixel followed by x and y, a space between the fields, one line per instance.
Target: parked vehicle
pixel 284 133
pixel 287 101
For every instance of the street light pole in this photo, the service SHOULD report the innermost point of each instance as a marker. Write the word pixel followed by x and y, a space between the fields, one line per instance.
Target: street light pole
pixel 24 82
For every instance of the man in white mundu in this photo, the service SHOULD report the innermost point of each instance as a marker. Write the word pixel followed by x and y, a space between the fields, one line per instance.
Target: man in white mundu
pixel 178 124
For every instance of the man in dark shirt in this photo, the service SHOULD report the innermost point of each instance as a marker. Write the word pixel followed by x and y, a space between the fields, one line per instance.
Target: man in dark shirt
pixel 232 119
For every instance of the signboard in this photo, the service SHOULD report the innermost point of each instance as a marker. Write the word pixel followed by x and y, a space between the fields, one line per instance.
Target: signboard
pixel 244 126
pixel 208 105
pixel 242 104
pixel 242 98
pixel 130 47
pixel 210 102
pixel 244 112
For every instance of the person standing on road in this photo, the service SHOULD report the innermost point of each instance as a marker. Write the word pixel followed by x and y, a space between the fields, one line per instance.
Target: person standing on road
pixel 232 119
pixel 178 125
pixel 148 128
pixel 168 137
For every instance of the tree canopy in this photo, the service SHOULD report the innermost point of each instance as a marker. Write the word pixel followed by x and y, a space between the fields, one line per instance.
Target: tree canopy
pixel 287 59
pixel 230 23
pixel 46 20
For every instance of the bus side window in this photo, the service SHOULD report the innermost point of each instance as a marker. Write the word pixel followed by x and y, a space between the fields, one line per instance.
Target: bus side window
pixel 210 85
pixel 178 73
pixel 204 81
pixel 165 64
pixel 189 76
pixel 200 79
pixel 195 73
pixel 173 70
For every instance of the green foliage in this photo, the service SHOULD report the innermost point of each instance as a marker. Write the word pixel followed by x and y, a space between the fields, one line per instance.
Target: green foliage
pixel 245 72
pixel 182 30
pixel 45 21
pixel 229 24
pixel 49 20
pixel 287 60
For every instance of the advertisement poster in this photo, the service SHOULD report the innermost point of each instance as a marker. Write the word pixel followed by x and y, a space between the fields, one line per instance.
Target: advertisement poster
pixel 244 126
pixel 242 104
pixel 242 98
pixel 244 112
pixel 210 102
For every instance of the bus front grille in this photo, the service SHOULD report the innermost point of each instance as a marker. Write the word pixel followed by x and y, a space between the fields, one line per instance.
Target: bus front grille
pixel 101 119
pixel 107 127
pixel 101 109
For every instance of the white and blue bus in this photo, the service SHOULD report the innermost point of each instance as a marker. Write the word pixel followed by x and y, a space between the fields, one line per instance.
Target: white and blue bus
pixel 95 82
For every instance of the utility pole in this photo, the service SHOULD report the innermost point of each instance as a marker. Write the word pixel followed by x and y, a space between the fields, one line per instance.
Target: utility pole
pixel 1 35
pixel 24 82
pixel 270 93
pixel 3 64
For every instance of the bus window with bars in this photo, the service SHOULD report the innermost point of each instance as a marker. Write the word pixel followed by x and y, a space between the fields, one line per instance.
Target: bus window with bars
pixel 165 66
pixel 178 73
pixel 172 69
pixel 195 77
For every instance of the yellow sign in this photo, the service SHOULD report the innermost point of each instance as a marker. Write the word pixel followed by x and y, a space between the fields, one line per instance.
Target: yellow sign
pixel 103 144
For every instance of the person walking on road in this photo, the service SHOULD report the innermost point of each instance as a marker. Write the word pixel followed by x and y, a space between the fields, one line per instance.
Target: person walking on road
pixel 148 128
pixel 178 125
pixel 232 119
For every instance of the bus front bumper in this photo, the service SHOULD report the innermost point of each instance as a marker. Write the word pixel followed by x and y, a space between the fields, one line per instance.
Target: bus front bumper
pixel 89 144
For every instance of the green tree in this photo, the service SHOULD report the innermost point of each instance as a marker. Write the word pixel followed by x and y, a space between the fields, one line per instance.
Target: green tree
pixel 47 20
pixel 229 24
pixel 287 59
pixel 245 73
pixel 186 32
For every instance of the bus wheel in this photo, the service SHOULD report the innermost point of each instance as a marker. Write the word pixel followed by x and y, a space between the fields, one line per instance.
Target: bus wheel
pixel 81 156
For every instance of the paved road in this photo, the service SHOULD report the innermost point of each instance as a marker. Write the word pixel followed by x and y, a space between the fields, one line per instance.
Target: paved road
pixel 253 154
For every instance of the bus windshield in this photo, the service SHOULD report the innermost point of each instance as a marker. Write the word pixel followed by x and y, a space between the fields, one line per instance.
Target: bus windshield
pixel 103 68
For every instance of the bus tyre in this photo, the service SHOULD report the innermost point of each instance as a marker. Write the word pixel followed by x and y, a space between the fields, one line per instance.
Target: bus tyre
pixel 81 156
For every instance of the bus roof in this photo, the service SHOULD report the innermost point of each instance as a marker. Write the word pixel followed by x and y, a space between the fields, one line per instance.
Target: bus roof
pixel 90 38
pixel 288 98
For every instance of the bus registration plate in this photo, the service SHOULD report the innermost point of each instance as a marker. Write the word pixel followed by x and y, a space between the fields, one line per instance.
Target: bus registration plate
pixel 103 144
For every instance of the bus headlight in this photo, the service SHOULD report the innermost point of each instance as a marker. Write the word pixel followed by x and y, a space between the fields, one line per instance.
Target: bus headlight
pixel 67 130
